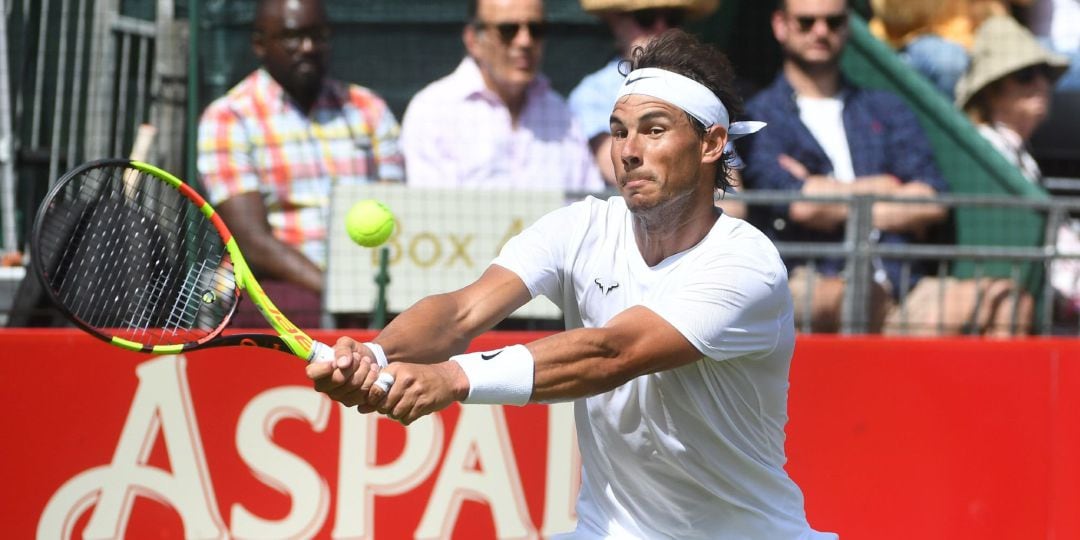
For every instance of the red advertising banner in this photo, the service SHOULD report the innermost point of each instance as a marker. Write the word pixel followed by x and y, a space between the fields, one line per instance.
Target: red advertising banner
pixel 888 439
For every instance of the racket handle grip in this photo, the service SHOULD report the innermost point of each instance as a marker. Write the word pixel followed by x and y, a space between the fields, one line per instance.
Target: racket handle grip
pixel 320 352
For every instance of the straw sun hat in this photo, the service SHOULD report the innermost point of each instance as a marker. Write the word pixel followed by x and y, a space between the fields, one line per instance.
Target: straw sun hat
pixel 694 8
pixel 1002 47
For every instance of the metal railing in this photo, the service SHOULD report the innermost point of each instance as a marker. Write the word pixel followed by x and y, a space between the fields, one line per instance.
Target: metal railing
pixel 1025 259
pixel 1026 265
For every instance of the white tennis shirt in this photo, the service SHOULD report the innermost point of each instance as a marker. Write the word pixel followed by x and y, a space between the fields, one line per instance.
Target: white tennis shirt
pixel 696 451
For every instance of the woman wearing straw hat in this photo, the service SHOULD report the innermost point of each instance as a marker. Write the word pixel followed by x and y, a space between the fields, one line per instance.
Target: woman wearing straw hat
pixel 1006 90
pixel 1006 94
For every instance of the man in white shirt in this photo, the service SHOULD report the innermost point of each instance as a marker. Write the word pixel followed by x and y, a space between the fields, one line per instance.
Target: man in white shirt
pixel 495 122
pixel 679 318
pixel 830 137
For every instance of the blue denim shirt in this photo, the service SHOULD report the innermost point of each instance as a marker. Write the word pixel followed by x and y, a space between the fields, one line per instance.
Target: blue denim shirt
pixel 884 137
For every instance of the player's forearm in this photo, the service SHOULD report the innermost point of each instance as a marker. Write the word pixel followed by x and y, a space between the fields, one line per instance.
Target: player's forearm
pixel 577 363
pixel 442 325
pixel 430 331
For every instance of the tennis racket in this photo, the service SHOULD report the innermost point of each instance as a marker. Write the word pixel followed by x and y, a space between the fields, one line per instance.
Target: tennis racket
pixel 134 256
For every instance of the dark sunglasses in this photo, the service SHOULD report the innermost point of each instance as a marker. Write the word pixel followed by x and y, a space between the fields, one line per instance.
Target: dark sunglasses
pixel 1028 74
pixel 647 18
pixel 834 22
pixel 509 30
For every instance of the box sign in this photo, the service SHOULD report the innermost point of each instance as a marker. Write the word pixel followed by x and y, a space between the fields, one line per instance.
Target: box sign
pixel 443 240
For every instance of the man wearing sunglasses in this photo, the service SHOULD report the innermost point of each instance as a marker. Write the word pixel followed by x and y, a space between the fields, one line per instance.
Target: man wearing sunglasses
pixel 828 137
pixel 632 23
pixel 495 122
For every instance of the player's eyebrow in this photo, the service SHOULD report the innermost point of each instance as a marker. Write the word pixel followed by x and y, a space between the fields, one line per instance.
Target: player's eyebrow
pixel 648 116
pixel 655 115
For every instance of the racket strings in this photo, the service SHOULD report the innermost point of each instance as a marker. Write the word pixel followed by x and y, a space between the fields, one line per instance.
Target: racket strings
pixel 148 301
pixel 88 281
pixel 203 285
pixel 130 256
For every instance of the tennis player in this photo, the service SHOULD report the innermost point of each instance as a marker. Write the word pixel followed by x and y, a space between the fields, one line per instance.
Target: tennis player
pixel 680 327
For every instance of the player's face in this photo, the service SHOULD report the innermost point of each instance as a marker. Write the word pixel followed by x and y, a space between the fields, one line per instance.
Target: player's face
pixel 812 32
pixel 293 45
pixel 506 40
pixel 659 157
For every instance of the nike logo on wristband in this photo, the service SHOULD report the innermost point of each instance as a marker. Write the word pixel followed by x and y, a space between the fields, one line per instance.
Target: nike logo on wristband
pixel 487 356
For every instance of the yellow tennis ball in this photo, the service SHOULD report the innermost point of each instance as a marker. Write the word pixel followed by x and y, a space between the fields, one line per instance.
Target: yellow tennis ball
pixel 369 223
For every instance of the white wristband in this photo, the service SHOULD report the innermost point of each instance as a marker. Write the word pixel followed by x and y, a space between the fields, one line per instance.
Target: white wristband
pixel 502 376
pixel 378 353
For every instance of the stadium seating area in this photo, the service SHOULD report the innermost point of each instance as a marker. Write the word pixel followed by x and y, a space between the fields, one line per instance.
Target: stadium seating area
pixel 136 64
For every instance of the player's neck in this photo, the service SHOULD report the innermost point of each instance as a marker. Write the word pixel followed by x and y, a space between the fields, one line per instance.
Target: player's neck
pixel 665 231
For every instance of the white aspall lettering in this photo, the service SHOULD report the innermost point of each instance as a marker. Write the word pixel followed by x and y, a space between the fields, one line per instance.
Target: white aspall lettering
pixel 279 468
pixel 480 441
pixel 360 479
pixel 162 405
pixel 479 464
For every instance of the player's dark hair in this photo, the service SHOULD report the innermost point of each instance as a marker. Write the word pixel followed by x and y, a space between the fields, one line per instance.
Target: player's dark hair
pixel 679 52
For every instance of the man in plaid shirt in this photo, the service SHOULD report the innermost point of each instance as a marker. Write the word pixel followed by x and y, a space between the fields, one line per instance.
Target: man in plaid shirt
pixel 271 149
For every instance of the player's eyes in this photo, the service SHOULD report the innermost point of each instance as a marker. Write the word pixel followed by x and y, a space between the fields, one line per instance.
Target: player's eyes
pixel 618 133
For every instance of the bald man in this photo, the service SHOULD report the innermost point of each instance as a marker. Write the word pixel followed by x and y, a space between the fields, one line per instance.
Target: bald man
pixel 270 150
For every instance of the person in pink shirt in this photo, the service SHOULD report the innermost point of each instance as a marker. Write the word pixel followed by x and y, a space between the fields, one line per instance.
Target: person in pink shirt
pixel 495 122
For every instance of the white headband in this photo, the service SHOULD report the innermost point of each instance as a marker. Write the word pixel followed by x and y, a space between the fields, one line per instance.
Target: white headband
pixel 688 95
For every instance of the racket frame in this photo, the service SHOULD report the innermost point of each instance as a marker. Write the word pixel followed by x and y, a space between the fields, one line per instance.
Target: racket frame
pixel 289 338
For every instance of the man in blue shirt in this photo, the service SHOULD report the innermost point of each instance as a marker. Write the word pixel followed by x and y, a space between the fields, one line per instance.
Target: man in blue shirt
pixel 828 137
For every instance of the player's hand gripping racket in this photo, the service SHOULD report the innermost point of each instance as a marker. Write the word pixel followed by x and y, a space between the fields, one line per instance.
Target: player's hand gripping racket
pixel 136 257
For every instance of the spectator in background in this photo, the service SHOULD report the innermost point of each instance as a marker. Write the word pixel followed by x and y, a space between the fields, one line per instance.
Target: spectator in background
pixel 632 23
pixel 914 28
pixel 829 137
pixel 1006 94
pixel 495 122
pixel 1057 24
pixel 934 36
pixel 270 150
